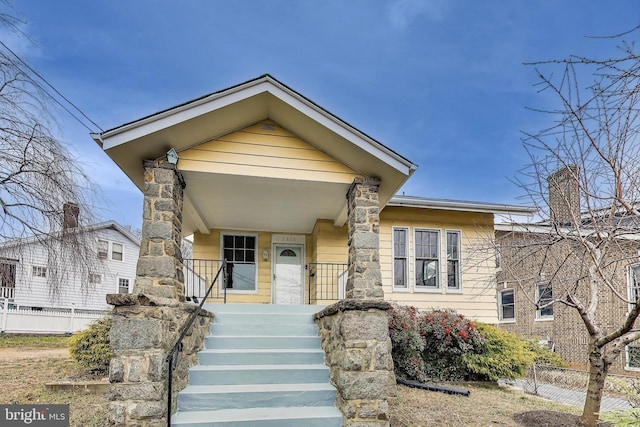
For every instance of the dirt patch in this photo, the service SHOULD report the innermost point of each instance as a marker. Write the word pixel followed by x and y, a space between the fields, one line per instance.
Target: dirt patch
pixel 550 419
pixel 20 353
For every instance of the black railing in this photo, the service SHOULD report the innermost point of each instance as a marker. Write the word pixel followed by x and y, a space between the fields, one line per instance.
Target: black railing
pixel 172 357
pixel 198 274
pixel 326 281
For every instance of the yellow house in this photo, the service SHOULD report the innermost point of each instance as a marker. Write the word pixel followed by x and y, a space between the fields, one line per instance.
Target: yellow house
pixel 267 172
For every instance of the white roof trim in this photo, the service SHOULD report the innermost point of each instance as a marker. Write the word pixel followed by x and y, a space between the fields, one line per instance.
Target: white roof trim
pixel 173 116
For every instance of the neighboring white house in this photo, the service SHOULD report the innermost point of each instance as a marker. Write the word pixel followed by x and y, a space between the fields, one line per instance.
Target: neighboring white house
pixel 27 300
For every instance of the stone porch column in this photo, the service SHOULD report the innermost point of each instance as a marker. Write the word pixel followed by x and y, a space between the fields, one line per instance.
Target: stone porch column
pixel 355 331
pixel 159 270
pixel 146 323
pixel 364 280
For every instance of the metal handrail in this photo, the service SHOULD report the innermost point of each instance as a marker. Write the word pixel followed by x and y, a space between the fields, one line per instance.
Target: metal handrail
pixel 172 357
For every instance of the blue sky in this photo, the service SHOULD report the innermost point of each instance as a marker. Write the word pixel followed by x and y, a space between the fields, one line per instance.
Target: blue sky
pixel 441 82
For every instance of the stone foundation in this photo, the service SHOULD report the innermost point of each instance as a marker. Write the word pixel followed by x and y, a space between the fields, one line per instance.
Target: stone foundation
pixel 355 338
pixel 143 331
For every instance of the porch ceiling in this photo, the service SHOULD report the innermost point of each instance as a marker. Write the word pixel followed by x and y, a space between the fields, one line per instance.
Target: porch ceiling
pixel 235 202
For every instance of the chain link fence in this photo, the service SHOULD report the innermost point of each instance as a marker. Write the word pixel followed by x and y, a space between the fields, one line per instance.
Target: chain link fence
pixel 569 386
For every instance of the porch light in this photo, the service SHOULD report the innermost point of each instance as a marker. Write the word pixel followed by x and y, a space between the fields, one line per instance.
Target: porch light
pixel 172 156
pixel 265 254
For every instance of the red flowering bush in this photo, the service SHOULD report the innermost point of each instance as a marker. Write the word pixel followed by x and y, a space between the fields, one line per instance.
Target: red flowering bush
pixel 444 346
pixel 407 343
pixel 447 337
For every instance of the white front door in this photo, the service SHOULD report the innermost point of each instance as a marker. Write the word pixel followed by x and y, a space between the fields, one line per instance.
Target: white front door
pixel 288 276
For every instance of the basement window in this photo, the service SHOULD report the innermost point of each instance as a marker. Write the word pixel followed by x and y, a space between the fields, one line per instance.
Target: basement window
pixel 633 357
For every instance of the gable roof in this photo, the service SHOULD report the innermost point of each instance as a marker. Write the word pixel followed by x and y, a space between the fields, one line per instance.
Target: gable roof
pixel 219 113
pixel 89 228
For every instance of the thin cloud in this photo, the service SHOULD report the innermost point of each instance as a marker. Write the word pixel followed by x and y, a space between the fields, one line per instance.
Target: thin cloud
pixel 402 13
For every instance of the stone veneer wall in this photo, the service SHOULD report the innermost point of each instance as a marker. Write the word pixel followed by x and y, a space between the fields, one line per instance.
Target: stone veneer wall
pixel 355 338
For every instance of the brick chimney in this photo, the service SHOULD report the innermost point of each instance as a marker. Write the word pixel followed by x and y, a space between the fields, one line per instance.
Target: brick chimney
pixel 564 195
pixel 70 211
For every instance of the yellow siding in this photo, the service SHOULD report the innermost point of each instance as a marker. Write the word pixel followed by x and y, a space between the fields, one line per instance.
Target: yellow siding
pixel 265 150
pixel 478 298
pixel 329 243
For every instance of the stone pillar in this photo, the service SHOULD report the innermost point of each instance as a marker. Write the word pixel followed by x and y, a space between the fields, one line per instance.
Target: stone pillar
pixel 355 331
pixel 159 269
pixel 364 280
pixel 355 338
pixel 146 324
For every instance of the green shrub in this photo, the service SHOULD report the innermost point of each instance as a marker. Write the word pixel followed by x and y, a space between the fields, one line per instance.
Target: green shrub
pixel 90 347
pixel 502 355
pixel 619 418
pixel 543 355
pixel 631 417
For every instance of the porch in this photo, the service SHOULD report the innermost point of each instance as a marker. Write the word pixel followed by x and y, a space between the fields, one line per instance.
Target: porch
pixel 323 283
pixel 264 179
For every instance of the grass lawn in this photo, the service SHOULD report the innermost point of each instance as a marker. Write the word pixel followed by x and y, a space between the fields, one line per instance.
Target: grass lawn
pixel 22 379
pixel 488 405
pixel 33 341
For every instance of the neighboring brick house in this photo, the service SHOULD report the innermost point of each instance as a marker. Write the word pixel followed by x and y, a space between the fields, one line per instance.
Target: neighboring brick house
pixel 531 270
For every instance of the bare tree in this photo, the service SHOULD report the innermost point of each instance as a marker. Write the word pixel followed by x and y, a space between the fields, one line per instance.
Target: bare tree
pixel 585 178
pixel 38 175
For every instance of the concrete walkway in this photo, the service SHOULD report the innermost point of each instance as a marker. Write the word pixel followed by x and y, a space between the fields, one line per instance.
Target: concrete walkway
pixel 567 396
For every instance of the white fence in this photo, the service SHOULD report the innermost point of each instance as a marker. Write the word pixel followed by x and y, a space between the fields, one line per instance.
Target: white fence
pixel 45 321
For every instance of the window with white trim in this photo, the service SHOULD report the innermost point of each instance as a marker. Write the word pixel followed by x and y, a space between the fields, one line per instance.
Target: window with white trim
pixel 400 260
pixel 240 253
pixel 103 249
pixel 427 260
pixel 633 357
pixel 633 284
pixel 544 295
pixel 116 251
pixel 453 260
pixel 38 271
pixel 95 278
pixel 506 305
pixel 498 256
pixel 123 286
pixel 7 273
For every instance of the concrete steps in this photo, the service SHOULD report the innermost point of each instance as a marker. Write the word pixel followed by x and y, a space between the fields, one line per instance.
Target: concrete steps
pixel 262 366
